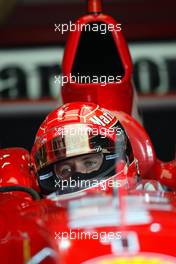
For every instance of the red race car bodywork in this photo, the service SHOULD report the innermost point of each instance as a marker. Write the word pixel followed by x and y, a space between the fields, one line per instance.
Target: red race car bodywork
pixel 88 228
pixel 124 226
pixel 89 54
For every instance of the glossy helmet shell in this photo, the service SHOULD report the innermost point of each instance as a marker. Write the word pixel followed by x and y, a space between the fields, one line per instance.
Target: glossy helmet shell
pixel 49 147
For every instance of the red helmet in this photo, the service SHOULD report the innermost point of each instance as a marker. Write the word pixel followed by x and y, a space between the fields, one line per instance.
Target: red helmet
pixel 80 142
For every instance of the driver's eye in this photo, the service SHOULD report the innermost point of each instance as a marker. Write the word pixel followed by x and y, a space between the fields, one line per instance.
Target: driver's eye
pixel 90 164
pixel 64 171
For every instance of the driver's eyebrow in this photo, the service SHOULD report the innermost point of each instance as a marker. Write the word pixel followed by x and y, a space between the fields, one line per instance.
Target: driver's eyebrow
pixel 89 157
pixel 86 158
